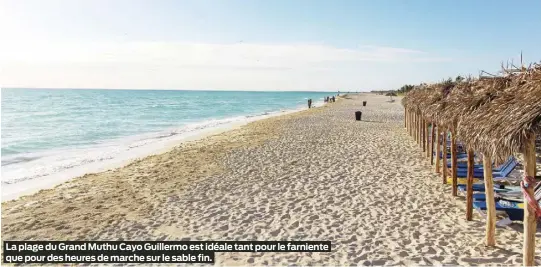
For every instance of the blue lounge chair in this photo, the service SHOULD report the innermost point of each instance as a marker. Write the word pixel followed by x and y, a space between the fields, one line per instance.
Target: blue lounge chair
pixel 481 188
pixel 503 172
pixel 514 194
pixel 464 165
pixel 479 197
pixel 513 209
pixel 479 167
pixel 458 155
pixel 495 174
pixel 508 202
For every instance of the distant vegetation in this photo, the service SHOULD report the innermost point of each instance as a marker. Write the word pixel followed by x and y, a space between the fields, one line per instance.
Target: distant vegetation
pixel 408 87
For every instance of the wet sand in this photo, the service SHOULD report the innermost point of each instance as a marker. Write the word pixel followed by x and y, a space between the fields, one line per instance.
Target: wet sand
pixel 312 175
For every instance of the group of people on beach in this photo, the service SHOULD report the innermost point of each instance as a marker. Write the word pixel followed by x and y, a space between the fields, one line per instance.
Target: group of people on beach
pixel 327 99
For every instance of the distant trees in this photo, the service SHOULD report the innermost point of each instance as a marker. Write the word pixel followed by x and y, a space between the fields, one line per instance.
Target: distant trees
pixel 406 88
pixel 449 83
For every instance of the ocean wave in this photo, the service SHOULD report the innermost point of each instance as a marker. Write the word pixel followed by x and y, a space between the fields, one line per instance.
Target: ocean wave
pixel 17 159
pixel 87 159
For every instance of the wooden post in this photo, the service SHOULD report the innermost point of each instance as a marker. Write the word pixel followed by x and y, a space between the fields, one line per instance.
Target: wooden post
pixel 405 118
pixel 410 123
pixel 427 132
pixel 432 131
pixel 530 222
pixel 427 142
pixel 469 186
pixel 444 158
pixel 418 129
pixel 438 150
pixel 491 203
pixel 415 127
pixel 454 168
pixel 423 135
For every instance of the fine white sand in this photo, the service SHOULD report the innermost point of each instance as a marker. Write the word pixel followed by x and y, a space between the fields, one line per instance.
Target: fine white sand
pixel 311 175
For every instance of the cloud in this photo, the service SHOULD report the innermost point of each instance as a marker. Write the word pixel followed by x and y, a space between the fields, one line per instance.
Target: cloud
pixel 181 65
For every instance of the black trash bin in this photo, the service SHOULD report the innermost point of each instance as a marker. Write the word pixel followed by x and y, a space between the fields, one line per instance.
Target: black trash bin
pixel 364 103
pixel 358 115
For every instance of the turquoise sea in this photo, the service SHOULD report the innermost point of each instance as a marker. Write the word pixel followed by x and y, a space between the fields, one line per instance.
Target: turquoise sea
pixel 51 131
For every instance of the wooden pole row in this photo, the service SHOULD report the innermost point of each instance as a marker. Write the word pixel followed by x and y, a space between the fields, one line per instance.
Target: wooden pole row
pixel 418 129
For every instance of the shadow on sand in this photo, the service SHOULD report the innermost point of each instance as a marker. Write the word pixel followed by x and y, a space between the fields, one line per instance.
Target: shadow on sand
pixel 373 121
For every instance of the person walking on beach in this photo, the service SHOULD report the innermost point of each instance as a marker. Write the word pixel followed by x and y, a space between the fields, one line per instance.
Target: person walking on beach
pixel 309 103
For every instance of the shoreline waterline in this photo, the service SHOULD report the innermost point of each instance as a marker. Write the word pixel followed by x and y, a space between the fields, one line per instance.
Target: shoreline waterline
pixel 19 188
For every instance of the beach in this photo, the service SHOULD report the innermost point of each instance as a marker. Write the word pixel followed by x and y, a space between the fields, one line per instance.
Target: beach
pixel 310 175
pixel 106 129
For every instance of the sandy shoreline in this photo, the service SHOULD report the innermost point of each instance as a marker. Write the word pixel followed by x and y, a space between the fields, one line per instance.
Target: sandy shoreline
pixel 31 186
pixel 310 175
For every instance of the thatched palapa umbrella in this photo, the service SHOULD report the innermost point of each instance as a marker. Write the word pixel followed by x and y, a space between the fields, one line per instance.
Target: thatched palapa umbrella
pixel 508 125
pixel 391 94
pixel 497 116
pixel 433 113
pixel 430 95
pixel 413 112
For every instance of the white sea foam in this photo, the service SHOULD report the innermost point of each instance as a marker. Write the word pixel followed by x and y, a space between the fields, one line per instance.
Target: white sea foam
pixel 28 173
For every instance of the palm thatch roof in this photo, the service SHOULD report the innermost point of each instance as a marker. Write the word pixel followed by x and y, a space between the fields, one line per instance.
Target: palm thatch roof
pixel 502 117
pixel 430 94
pixel 436 103
pixel 454 105
pixel 410 99
pixel 467 96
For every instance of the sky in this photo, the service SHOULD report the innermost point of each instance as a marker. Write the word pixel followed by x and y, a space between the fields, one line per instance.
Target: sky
pixel 311 45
